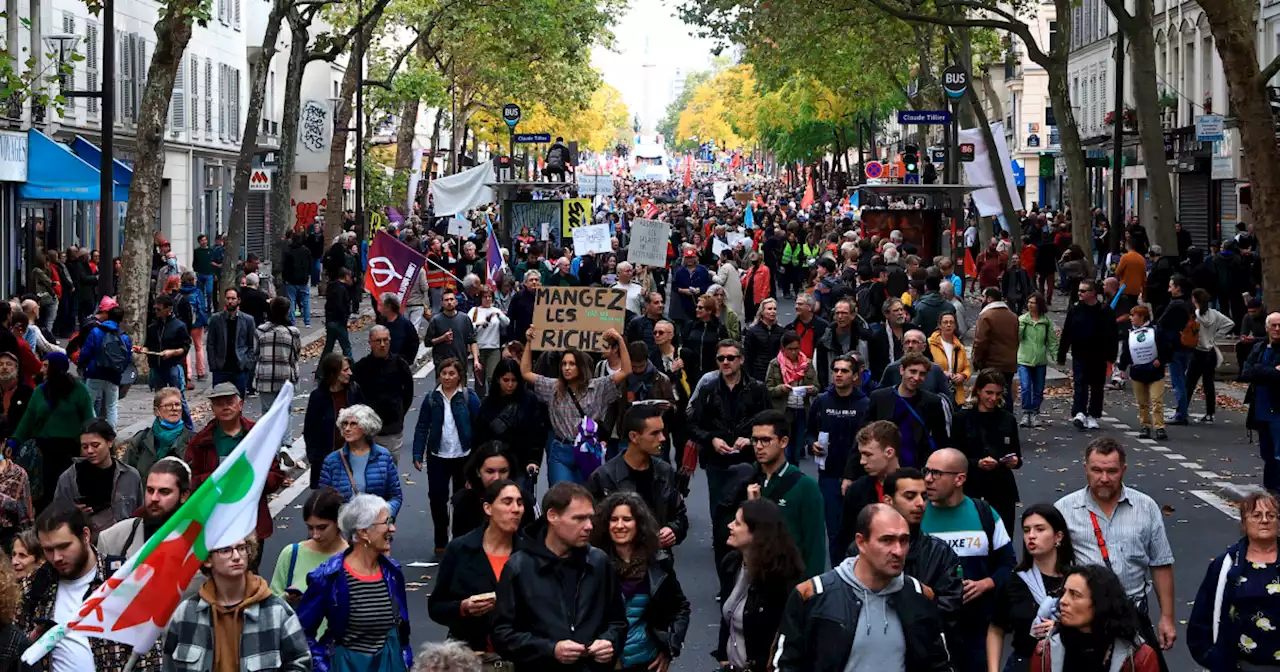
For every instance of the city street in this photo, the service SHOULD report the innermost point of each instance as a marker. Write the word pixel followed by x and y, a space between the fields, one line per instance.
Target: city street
pixel 1185 475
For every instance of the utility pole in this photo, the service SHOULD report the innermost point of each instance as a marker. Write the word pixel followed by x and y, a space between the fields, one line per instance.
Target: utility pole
pixel 108 234
pixel 361 225
pixel 1117 150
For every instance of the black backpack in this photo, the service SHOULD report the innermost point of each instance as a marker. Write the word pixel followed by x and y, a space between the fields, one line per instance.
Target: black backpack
pixel 112 356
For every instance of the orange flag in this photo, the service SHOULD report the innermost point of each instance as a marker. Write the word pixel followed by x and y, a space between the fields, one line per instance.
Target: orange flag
pixel 808 198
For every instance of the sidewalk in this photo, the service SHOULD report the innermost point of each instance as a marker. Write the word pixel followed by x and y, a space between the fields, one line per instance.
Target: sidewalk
pixel 136 413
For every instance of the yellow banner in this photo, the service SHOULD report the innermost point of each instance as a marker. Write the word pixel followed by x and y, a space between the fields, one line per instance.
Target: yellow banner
pixel 577 212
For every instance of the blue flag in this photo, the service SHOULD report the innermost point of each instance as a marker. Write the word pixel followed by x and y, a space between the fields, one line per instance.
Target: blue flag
pixel 749 220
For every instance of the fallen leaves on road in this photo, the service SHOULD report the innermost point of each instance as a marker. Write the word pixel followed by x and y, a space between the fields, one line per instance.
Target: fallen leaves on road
pixel 1167 510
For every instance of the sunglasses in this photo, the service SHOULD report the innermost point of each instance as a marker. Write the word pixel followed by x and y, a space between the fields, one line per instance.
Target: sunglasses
pixel 726 358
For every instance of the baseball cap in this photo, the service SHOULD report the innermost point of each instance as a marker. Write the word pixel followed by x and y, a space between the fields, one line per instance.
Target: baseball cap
pixel 691 252
pixel 107 303
pixel 223 390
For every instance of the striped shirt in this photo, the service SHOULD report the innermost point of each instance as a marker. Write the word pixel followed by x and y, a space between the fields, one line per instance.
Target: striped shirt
pixel 372 615
pixel 565 418
pixel 1134 535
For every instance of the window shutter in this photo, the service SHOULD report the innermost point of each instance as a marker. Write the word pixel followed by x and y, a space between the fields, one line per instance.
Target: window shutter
pixel 124 85
pixel 208 99
pixel 91 67
pixel 222 11
pixel 193 85
pixel 68 80
pixel 237 127
pixel 222 101
pixel 178 100
pixel 140 68
pixel 235 14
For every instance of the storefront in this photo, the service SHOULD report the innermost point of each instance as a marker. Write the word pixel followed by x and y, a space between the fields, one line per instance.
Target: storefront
pixel 13 172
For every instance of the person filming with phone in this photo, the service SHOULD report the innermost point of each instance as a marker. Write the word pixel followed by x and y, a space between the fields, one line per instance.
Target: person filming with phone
pixel 987 434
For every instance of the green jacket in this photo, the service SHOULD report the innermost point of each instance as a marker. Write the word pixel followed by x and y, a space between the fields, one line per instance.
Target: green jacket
pixel 71 414
pixel 732 324
pixel 779 396
pixel 1037 340
pixel 793 254
pixel 802 510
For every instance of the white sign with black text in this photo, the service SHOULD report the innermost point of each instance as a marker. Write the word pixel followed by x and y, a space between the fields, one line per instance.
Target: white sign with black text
pixel 649 239
pixel 591 239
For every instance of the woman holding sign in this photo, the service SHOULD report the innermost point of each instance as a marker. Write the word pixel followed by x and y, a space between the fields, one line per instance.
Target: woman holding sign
pixel 571 397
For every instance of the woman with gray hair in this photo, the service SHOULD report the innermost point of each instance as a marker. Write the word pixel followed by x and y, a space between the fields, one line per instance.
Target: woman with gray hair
pixel 447 656
pixel 360 465
pixel 360 594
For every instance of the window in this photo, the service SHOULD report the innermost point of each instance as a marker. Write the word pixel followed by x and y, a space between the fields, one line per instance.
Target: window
pixel 193 84
pixel 223 100
pixel 302 181
pixel 178 100
pixel 1053 36
pixel 68 80
pixel 1049 119
pixel 235 104
pixel 91 67
pixel 222 11
pixel 124 83
pixel 235 14
pixel 208 99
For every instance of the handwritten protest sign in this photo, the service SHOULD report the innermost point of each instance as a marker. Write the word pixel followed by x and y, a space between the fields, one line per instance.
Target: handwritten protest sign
pixel 593 185
pixel 576 317
pixel 591 239
pixel 577 212
pixel 649 240
pixel 459 226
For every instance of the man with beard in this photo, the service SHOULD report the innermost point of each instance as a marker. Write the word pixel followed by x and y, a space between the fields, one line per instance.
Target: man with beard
pixel 641 326
pixel 72 571
pixel 14 394
pixel 884 344
pixel 168 486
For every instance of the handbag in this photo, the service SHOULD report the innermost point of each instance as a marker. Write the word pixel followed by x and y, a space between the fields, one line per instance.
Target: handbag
pixel 387 659
pixel 588 450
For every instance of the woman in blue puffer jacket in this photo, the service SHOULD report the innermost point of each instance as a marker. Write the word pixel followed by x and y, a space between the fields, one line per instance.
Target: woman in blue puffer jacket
pixel 362 466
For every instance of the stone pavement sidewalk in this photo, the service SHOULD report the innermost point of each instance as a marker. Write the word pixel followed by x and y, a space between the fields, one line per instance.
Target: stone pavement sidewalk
pixel 136 413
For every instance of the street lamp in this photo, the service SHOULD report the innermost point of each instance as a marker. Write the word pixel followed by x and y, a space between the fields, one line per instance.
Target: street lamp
pixel 65 43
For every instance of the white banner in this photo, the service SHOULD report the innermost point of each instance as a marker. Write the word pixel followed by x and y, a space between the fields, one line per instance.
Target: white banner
pixel 415 176
pixel 649 239
pixel 720 190
pixel 591 239
pixel 978 171
pixel 315 136
pixel 463 191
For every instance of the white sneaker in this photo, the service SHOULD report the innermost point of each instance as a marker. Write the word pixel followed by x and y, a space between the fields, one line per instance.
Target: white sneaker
pixel 1090 422
pixel 1080 421
pixel 1035 420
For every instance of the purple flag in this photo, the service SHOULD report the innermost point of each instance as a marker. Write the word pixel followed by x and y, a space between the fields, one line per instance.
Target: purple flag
pixel 493 256
pixel 393 266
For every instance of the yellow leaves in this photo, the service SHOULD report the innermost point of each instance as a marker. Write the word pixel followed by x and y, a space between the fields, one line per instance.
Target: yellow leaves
pixel 599 126
pixel 723 108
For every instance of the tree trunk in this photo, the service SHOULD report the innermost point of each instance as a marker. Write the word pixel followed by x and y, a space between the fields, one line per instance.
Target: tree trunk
pixel 244 162
pixel 405 134
pixel 338 150
pixel 282 185
pixel 173 32
pixel 1233 28
pixel 1072 152
pixel 984 126
pixel 1142 47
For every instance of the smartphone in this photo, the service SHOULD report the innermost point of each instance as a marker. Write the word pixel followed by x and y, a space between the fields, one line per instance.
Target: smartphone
pixel 1009 458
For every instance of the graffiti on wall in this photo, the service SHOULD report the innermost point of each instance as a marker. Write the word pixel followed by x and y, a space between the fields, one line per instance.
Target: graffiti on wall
pixel 306 213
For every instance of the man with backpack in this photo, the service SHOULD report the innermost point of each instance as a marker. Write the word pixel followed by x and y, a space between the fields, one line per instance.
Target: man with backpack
pixel 557 160
pixel 104 358
pixel 976 534
pixel 1178 327
pixel 295 269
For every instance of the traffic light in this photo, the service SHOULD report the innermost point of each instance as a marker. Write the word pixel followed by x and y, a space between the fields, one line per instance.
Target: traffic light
pixel 911 159
pixel 930 174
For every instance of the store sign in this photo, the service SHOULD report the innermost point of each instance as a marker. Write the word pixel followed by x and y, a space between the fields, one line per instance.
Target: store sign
pixel 1210 128
pixel 260 179
pixel 13 156
pixel 1221 168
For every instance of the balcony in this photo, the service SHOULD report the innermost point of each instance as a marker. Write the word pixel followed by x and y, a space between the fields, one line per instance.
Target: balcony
pixel 269 135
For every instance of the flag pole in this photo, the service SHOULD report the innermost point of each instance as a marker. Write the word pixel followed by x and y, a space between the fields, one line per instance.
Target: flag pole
pixel 133 660
pixel 445 270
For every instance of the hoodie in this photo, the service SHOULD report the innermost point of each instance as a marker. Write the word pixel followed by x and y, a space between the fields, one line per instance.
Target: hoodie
pixel 840 417
pixel 228 622
pixel 879 642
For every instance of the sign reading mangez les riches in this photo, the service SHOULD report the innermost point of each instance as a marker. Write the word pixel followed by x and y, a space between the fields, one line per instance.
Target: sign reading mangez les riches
pixel 577 317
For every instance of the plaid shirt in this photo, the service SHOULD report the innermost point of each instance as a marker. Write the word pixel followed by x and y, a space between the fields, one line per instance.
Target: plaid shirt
pixel 271 638
pixel 565 418
pixel 40 593
pixel 279 349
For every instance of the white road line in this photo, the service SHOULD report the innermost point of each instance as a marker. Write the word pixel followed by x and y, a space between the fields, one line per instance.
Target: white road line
pixel 1133 434
pixel 1218 503
pixel 1193 466
pixel 1149 442
pixel 1119 425
pixel 1208 475
pixel 1176 456
pixel 426 369
pixel 1159 449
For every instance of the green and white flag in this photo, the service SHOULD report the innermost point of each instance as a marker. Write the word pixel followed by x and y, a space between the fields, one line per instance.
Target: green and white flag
pixel 134 605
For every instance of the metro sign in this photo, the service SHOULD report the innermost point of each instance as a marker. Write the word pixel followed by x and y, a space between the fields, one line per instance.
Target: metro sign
pixel 260 179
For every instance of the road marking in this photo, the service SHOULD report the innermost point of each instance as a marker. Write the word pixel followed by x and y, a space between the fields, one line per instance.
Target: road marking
pixel 1218 503
pixel 1176 456
pixel 1133 434
pixel 1208 475
pixel 1119 425
pixel 1193 466
pixel 1149 442
pixel 1159 449
pixel 426 370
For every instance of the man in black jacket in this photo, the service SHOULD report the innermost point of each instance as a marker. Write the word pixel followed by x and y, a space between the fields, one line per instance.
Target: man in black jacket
pixel 884 344
pixel 844 336
pixel 637 470
pixel 640 328
pixel 1173 319
pixel 404 337
pixel 253 301
pixel 337 312
pixel 559 606
pixel 168 342
pixel 819 630
pixel 878 445
pixel 387 383
pixel 1089 334
pixel 921 417
pixel 295 271
pixel 720 422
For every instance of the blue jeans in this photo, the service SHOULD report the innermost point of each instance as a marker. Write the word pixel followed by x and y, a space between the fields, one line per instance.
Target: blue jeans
pixel 299 298
pixel 561 464
pixel 172 376
pixel 315 272
pixel 336 333
pixel 106 398
pixel 240 380
pixel 1178 376
pixel 1032 379
pixel 833 509
pixel 796 448
pixel 205 283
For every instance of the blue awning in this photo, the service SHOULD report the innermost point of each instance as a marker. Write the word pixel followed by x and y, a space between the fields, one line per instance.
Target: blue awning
pixel 1019 174
pixel 55 172
pixel 120 173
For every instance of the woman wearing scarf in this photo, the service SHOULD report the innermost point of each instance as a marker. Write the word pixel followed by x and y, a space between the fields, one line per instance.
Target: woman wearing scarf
pixel 1026 607
pixel 792 382
pixel 166 436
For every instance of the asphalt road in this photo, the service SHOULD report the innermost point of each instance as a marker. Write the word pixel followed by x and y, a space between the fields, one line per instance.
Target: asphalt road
pixel 1186 475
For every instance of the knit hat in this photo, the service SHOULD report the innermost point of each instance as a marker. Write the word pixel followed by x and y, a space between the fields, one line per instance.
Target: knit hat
pixel 58 362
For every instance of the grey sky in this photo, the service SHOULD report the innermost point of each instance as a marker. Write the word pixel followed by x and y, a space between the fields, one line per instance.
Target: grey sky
pixel 672 51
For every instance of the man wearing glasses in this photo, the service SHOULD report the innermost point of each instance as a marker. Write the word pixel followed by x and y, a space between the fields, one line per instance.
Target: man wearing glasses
pixel 235 618
pixel 218 439
pixel 719 420
pixel 1089 334
pixel 974 531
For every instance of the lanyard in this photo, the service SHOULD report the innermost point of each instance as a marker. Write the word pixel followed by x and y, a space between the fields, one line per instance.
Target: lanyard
pixel 1102 543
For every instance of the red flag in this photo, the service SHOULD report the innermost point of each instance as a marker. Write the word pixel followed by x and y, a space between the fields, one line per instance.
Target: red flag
pixel 688 173
pixel 807 201
pixel 650 210
pixel 970 268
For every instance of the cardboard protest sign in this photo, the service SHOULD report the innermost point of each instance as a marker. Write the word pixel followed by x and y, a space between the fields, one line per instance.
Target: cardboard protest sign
pixel 591 239
pixel 742 196
pixel 649 239
pixel 577 212
pixel 576 317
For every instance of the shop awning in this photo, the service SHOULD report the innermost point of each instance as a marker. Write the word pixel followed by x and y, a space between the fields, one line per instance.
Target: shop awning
pixel 54 172
pixel 121 173
pixel 1019 174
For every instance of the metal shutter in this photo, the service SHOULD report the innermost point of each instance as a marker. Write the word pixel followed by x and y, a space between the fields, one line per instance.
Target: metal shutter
pixel 255 230
pixel 1193 207
pixel 91 62
pixel 1229 211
